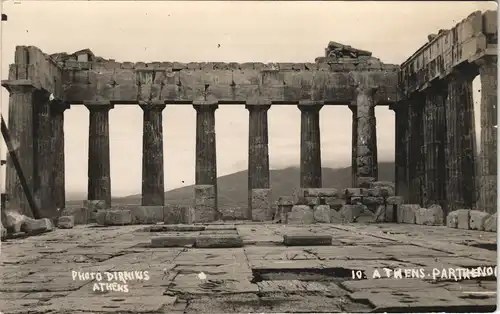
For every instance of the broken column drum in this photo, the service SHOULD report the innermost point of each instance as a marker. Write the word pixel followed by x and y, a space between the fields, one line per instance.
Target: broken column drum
pixel 99 178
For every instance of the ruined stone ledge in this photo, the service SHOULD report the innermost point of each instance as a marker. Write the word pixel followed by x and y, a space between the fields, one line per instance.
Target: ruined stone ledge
pixel 438 57
pixel 226 87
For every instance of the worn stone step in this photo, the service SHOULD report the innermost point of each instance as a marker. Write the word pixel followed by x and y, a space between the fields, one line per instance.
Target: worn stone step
pixel 307 239
pixel 219 241
pixel 176 228
pixel 36 226
pixel 220 227
pixel 173 240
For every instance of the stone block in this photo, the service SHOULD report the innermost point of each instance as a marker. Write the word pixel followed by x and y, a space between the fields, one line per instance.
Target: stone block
pixel 373 200
pixel 285 200
pixel 91 207
pixel 373 192
pixel 320 192
pixel 352 192
pixel 364 182
pixel 219 241
pixel 176 228
pixel 261 205
pixel 66 222
pixel 202 192
pixel 36 226
pixel 81 215
pixel 173 240
pixel 282 211
pixel 143 215
pixel 477 219
pixel 175 214
pixel 334 202
pixel 490 224
pixel 14 221
pixel 394 200
pixel 205 209
pixel 432 216
pixel 118 218
pixel 301 214
pixel 350 213
pixel 386 188
pixel 307 239
pixel 101 217
pixel 383 213
pixel 406 213
pixel 322 214
pixel 463 218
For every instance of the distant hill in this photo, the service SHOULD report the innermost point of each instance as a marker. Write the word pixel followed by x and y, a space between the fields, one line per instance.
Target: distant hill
pixel 233 187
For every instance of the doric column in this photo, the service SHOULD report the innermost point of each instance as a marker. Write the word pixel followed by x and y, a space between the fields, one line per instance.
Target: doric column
pixel 354 144
pixel 460 191
pixel 57 109
pixel 258 152
pixel 415 154
pixel 310 144
pixel 434 128
pixel 401 150
pixel 206 151
pixel 20 125
pixel 153 186
pixel 488 154
pixel 374 144
pixel 44 155
pixel 99 177
pixel 366 142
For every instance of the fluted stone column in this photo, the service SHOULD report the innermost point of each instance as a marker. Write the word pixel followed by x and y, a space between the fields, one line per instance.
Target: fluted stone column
pixel 57 109
pixel 310 144
pixel 99 177
pixel 206 150
pixel 489 123
pixel 354 145
pixel 460 190
pixel 401 150
pixel 258 150
pixel 153 186
pixel 366 143
pixel 434 143
pixel 20 124
pixel 44 156
pixel 416 167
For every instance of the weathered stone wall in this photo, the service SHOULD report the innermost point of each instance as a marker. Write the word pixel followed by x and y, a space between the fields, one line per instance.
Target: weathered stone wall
pixel 174 82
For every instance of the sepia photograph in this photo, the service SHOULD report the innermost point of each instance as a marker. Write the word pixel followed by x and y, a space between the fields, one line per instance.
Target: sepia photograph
pixel 190 157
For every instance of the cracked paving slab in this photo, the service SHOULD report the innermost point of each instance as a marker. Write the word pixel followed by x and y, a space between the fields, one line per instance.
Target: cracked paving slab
pixel 262 276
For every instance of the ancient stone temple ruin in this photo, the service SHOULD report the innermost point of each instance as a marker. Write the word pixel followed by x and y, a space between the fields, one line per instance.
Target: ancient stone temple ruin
pixel 430 93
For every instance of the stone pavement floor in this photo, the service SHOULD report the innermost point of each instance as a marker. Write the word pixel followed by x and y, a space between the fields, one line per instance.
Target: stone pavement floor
pixel 57 272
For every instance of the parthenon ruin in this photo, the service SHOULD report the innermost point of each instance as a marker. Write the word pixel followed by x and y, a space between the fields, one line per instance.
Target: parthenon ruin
pixel 430 93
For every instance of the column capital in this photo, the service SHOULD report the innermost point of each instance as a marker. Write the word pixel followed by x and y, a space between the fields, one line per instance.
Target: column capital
pixel 98 105
pixel 205 105
pixel 310 105
pixel 258 107
pixel 154 105
pixel 19 86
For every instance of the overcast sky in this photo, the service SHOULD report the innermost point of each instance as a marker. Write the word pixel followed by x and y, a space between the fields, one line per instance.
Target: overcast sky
pixel 246 32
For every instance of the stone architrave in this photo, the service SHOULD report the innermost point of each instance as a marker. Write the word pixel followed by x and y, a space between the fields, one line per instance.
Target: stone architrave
pixel 310 144
pixel 57 109
pixel 206 151
pixel 153 186
pixel 99 177
pixel 258 150
pixel 488 155
pixel 354 145
pixel 366 138
pixel 20 124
